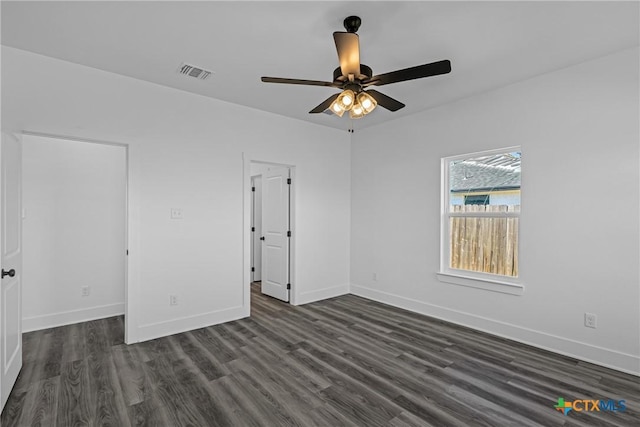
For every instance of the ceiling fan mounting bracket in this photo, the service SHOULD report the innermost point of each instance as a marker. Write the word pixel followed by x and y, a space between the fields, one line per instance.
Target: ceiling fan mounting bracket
pixel 352 23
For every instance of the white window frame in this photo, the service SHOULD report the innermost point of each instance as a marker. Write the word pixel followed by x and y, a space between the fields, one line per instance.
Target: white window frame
pixel 474 279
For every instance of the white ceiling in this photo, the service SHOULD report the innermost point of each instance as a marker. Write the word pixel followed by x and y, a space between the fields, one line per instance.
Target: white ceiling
pixel 490 44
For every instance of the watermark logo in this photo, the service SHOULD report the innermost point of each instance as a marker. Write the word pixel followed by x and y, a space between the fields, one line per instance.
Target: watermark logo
pixel 563 406
pixel 590 405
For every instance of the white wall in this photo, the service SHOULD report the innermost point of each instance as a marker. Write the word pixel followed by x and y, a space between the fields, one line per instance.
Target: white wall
pixel 578 129
pixel 186 151
pixel 74 231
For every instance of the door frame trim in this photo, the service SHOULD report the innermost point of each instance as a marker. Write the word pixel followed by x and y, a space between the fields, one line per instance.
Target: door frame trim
pixel 253 226
pixel 246 229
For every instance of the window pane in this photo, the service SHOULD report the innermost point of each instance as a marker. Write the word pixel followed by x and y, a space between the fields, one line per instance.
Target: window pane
pixel 485 180
pixel 488 245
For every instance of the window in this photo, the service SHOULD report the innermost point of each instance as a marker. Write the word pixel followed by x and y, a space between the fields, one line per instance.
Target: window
pixel 481 215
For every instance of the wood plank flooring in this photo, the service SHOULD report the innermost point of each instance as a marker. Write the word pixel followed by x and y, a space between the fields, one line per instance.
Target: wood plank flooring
pixel 345 361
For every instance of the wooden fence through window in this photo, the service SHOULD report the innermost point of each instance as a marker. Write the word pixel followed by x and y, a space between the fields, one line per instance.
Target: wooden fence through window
pixel 488 245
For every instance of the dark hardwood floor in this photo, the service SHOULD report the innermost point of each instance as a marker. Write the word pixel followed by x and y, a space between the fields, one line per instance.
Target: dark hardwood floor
pixel 346 361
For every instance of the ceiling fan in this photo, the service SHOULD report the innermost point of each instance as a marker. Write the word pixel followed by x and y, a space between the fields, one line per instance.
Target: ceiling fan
pixel 353 78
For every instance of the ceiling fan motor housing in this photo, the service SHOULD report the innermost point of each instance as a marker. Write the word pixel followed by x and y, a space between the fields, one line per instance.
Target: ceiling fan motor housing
pixel 365 73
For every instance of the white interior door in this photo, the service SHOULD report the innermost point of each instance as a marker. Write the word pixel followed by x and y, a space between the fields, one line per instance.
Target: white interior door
pixel 275 227
pixel 256 223
pixel 10 284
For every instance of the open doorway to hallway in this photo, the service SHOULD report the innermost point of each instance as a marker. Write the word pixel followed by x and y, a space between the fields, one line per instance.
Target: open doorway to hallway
pixel 271 229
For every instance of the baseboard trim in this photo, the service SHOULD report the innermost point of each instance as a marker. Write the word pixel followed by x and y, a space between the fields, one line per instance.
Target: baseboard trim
pixel 46 321
pixel 188 323
pixel 619 361
pixel 321 294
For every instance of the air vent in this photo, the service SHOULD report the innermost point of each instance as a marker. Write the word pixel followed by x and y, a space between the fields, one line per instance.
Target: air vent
pixel 193 71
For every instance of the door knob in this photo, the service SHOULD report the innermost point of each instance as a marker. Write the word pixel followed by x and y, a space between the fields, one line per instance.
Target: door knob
pixel 9 273
pixel 262 238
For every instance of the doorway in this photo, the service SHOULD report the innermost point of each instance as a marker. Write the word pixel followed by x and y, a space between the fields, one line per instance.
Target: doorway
pixel 74 220
pixel 271 240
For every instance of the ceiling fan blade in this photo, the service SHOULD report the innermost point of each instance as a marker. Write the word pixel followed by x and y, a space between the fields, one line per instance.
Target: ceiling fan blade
pixel 385 101
pixel 418 72
pixel 298 82
pixel 348 47
pixel 325 104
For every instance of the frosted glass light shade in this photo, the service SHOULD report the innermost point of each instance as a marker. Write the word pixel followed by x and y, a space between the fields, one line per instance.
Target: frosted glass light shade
pixel 367 102
pixel 346 99
pixel 336 108
pixel 357 111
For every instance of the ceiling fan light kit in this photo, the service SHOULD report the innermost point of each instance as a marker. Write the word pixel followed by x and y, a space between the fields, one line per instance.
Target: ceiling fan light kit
pixel 353 78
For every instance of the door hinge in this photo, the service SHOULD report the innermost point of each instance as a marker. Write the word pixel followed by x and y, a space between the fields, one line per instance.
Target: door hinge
pixel 253 229
pixel 288 286
pixel 288 180
pixel 253 269
pixel 253 188
pixel 288 233
pixel 127 251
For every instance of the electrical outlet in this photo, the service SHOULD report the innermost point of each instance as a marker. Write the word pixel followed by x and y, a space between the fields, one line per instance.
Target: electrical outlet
pixel 176 213
pixel 84 291
pixel 590 320
pixel 173 299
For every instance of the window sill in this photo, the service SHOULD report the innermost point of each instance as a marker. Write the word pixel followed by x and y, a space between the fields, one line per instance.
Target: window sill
pixel 482 283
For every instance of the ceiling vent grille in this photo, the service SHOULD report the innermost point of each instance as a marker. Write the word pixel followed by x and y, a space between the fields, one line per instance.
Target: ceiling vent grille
pixel 195 72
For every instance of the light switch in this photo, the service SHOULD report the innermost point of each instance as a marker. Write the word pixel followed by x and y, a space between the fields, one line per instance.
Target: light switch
pixel 176 213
